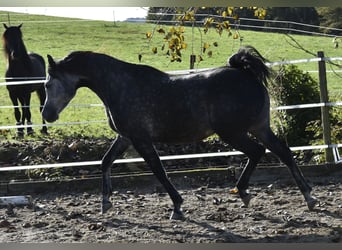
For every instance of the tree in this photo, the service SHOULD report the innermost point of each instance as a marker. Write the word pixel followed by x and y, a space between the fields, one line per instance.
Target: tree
pixel 307 15
pixel 209 18
pixel 331 18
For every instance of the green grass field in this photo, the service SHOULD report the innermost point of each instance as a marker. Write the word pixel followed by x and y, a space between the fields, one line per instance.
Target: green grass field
pixel 125 41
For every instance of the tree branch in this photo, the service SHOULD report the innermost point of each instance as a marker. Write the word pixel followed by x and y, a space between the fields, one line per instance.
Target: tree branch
pixel 298 46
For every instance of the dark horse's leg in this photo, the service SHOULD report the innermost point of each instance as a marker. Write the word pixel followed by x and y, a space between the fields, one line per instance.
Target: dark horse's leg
pixel 267 137
pixel 118 147
pixel 26 100
pixel 254 152
pixel 42 95
pixel 146 149
pixel 17 114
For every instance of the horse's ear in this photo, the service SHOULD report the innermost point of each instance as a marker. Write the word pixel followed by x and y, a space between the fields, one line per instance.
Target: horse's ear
pixel 52 63
pixel 20 25
pixel 5 26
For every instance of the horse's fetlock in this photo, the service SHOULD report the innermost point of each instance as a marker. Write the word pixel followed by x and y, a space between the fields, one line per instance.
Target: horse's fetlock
pixel 106 205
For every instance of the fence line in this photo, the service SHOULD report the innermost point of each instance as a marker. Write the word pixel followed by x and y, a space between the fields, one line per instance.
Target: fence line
pixel 316 59
pixel 162 158
pixel 298 106
pixel 23 77
pixel 187 156
pixel 240 24
pixel 21 82
pixel 289 107
pixel 175 157
pixel 242 19
pixel 70 105
pixel 53 124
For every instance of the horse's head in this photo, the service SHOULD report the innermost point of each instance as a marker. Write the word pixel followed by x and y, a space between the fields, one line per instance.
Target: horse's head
pixel 12 41
pixel 60 88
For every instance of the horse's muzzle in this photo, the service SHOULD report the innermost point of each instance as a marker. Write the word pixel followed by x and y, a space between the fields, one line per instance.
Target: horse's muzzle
pixel 49 116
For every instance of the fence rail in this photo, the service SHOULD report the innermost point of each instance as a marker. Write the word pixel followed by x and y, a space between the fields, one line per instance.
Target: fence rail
pixel 334 147
pixel 162 158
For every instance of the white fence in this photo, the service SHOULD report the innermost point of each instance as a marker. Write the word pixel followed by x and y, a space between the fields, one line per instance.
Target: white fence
pixel 175 157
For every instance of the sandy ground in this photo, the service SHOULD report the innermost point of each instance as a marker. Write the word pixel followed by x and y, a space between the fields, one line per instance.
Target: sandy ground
pixel 276 214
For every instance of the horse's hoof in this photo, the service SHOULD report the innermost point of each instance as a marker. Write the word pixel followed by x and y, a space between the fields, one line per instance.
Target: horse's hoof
pixel 312 203
pixel 30 132
pixel 177 215
pixel 246 199
pixel 106 206
pixel 44 132
pixel 20 134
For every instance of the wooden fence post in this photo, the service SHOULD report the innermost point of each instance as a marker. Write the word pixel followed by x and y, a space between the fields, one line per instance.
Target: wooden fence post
pixel 192 61
pixel 329 157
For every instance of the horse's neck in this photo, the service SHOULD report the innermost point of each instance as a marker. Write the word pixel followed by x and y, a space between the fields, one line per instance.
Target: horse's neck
pixel 94 78
pixel 23 59
pixel 19 67
pixel 24 56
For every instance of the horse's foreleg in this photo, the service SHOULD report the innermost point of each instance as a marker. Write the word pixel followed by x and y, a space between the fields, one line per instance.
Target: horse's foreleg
pixel 118 147
pixel 27 112
pixel 17 113
pixel 254 152
pixel 285 155
pixel 148 152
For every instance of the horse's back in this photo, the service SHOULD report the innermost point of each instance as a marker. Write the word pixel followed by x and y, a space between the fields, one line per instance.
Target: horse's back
pixel 231 97
pixel 38 65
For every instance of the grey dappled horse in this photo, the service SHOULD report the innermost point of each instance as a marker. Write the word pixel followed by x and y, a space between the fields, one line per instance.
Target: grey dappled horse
pixel 145 106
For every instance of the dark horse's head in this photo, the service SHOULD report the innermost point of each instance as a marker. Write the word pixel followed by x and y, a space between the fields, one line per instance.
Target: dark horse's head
pixel 12 42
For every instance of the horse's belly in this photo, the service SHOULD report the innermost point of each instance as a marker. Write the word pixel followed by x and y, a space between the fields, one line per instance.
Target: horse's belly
pixel 183 134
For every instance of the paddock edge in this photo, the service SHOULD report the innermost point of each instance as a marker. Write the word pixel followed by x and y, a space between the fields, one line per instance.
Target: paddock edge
pixel 185 179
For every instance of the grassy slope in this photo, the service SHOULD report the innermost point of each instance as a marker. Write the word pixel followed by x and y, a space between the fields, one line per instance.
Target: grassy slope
pixel 58 37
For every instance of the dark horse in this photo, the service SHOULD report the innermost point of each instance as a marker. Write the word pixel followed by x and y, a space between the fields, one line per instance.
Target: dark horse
pixel 145 106
pixel 22 66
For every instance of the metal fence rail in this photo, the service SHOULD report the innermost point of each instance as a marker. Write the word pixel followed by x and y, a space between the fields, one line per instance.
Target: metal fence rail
pixel 162 158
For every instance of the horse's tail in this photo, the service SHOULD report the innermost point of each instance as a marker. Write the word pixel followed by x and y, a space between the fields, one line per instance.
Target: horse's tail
pixel 248 58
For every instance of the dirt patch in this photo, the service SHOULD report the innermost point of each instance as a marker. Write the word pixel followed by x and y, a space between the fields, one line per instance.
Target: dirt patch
pixel 276 214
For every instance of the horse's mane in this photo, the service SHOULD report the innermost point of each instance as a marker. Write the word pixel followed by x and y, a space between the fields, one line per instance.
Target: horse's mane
pixel 248 58
pixel 77 61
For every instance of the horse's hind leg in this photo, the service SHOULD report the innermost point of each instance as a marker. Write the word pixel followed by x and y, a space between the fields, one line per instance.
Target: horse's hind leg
pixel 148 152
pixel 268 138
pixel 118 147
pixel 254 152
pixel 17 113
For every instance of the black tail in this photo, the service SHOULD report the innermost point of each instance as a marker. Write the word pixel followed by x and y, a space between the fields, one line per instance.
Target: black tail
pixel 248 58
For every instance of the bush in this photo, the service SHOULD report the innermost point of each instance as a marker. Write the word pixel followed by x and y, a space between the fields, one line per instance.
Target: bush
pixel 293 86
